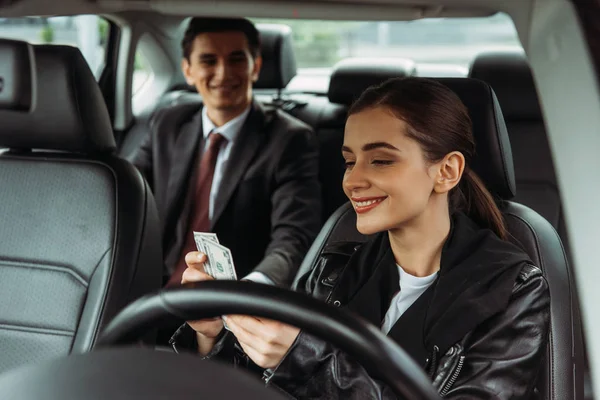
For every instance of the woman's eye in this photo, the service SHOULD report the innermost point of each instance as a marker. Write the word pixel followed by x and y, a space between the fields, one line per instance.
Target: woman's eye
pixel 349 164
pixel 382 162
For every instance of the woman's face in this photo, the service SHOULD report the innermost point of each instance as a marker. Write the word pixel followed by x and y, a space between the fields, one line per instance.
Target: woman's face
pixel 387 179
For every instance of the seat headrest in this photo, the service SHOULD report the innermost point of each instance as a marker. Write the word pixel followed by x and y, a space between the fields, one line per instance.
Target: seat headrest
pixel 70 113
pixel 352 76
pixel 279 60
pixel 510 76
pixel 17 76
pixel 493 160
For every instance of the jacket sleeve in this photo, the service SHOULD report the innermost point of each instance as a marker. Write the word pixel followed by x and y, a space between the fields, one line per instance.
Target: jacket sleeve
pixel 296 207
pixel 503 356
pixel 142 159
pixel 501 360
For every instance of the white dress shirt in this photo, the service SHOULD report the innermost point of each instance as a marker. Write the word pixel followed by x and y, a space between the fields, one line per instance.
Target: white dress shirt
pixel 411 287
pixel 230 132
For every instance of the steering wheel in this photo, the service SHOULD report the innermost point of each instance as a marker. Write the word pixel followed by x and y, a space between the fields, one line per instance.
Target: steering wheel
pixel 127 373
pixel 378 354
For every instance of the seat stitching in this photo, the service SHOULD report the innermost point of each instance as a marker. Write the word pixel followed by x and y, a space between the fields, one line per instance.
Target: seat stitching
pixel 32 329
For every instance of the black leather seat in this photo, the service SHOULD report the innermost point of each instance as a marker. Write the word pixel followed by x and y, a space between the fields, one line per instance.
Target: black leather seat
pixel 561 377
pixel 510 76
pixel 79 237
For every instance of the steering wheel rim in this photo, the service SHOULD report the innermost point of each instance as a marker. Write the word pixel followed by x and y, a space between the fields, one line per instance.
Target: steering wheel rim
pixel 378 354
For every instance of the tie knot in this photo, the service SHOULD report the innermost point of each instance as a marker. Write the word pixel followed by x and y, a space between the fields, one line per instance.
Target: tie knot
pixel 215 139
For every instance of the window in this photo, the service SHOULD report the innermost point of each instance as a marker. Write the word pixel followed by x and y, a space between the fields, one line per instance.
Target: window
pixel 439 46
pixel 142 73
pixel 87 32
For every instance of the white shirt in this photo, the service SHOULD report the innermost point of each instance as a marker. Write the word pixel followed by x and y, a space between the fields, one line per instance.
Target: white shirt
pixel 411 287
pixel 230 131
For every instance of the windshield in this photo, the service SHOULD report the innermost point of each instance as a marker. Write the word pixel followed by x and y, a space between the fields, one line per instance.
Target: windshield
pixel 439 46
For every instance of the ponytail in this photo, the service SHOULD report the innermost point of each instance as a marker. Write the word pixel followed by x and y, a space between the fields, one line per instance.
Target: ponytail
pixel 477 202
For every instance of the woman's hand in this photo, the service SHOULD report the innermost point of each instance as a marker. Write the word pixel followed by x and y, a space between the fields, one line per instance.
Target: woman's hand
pixel 207 330
pixel 265 341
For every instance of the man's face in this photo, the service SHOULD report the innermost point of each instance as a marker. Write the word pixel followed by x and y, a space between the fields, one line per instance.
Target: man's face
pixel 222 69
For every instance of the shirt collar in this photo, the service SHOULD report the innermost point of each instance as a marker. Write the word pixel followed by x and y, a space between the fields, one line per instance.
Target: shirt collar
pixel 230 130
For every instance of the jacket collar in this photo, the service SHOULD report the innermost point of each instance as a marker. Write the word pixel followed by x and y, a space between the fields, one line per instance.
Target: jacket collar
pixel 477 274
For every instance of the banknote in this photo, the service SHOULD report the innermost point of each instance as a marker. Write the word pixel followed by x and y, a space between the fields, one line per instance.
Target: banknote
pixel 219 262
pixel 199 236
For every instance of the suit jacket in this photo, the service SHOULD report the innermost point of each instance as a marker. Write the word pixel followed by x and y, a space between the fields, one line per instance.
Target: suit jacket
pixel 268 208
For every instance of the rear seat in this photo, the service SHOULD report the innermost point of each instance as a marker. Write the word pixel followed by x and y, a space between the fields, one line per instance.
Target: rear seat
pixel 510 76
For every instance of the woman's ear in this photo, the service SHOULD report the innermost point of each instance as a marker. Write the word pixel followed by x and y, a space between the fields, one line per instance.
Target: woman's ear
pixel 450 172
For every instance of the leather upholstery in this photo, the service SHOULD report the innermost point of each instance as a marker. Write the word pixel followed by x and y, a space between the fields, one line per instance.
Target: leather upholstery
pixel 279 60
pixel 70 114
pixel 352 76
pixel 80 236
pixel 510 76
pixel 565 352
pixel 17 76
pixel 535 234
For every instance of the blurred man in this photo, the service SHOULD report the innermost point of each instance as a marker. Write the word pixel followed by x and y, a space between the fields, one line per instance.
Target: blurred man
pixel 233 166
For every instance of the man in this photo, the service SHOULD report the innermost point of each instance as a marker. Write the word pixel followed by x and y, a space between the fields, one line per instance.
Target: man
pixel 234 167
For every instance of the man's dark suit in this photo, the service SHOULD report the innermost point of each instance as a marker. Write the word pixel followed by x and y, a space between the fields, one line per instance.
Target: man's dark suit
pixel 268 206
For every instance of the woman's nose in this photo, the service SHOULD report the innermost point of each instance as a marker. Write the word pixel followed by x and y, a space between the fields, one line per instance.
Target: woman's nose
pixel 355 178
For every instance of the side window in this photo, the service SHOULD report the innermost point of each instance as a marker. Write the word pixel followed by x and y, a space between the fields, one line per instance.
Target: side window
pixel 87 32
pixel 142 73
pixel 152 73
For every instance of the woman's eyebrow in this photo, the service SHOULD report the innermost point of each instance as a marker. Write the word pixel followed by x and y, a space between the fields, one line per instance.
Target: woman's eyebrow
pixel 379 145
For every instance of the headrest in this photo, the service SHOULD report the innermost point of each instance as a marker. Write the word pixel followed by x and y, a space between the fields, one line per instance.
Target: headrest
pixel 70 113
pixel 279 61
pixel 352 76
pixel 510 76
pixel 493 160
pixel 17 76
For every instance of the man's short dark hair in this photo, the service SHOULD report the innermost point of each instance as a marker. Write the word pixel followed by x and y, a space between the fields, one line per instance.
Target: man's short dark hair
pixel 200 25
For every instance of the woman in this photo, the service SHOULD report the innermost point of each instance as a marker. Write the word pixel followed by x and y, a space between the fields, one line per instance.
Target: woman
pixel 438 276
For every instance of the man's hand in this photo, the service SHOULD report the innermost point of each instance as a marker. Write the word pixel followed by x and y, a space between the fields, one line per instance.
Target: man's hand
pixel 207 330
pixel 265 341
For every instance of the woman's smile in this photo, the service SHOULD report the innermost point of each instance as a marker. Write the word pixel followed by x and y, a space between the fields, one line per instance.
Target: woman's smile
pixel 365 204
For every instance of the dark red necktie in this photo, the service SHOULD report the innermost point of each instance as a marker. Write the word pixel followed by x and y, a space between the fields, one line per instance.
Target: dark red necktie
pixel 201 205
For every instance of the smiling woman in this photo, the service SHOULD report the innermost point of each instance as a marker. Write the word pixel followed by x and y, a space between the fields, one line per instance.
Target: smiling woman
pixel 436 274
pixel 433 128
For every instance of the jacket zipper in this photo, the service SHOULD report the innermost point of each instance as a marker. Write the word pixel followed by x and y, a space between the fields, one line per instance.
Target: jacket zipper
pixel 454 377
pixel 433 361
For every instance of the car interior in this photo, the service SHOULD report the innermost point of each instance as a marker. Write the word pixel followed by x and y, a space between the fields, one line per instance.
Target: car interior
pixel 80 221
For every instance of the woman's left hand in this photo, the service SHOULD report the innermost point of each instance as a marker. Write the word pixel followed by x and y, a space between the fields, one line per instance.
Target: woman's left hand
pixel 265 341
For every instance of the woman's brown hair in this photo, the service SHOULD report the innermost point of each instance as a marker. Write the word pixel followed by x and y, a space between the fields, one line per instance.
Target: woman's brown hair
pixel 440 123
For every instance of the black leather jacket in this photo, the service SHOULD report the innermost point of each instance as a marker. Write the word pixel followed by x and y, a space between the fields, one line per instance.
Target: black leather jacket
pixel 498 359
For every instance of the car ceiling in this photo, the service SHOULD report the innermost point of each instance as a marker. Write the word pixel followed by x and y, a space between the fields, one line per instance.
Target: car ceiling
pixel 520 10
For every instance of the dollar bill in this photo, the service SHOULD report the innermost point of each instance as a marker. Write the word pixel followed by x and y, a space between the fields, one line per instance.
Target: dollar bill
pixel 220 262
pixel 198 236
